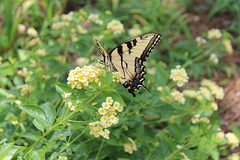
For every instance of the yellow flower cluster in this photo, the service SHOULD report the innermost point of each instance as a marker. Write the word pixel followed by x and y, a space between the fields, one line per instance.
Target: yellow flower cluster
pixel 133 32
pixel 62 158
pixel 25 89
pixel 25 73
pixel 81 30
pixel 215 89
pixel 220 134
pixel 67 17
pixel 200 41
pixel 213 58
pixel 179 74
pixel 232 140
pixel 80 77
pixel 214 33
pixel 34 42
pixel 115 26
pixel 32 32
pixel 234 156
pixel 108 112
pixel 59 25
pixel 41 52
pixel 228 46
pixel 99 128
pixel 116 76
pixel 196 119
pixel 7 158
pixel 130 147
pixel 95 18
pixel 21 28
pixel 178 96
pixel 9 95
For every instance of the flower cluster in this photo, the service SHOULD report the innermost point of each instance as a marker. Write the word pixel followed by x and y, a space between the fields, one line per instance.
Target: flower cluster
pixel 108 112
pixel 95 18
pixel 32 32
pixel 228 46
pixel 62 158
pixel 115 26
pixel 80 77
pixel 67 17
pixel 179 74
pixel 196 119
pixel 130 147
pixel 234 156
pixel 25 89
pixel 214 34
pixel 178 96
pixel 213 58
pixel 41 52
pixel 99 128
pixel 232 140
pixel 200 41
pixel 215 89
pixel 25 73
pixel 21 28
pixel 116 76
pixel 133 32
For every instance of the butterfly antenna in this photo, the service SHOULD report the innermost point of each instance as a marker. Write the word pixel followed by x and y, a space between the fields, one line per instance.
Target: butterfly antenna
pixel 146 88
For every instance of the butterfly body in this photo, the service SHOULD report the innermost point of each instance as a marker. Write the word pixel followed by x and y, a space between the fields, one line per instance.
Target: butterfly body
pixel 128 58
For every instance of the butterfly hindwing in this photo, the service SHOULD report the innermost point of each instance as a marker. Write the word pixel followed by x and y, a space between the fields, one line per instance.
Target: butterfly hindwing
pixel 128 58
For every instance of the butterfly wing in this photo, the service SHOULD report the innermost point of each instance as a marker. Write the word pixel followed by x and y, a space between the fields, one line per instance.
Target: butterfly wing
pixel 128 57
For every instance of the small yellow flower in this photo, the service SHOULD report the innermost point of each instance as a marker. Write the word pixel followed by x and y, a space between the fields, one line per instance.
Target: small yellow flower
pixel 81 30
pixel 99 128
pixel 178 96
pixel 200 41
pixel 214 106
pixel 41 52
pixel 95 18
pixel 228 46
pixel 67 17
pixel 102 111
pixel 116 76
pixel 130 147
pixel 108 13
pixel 232 140
pixel 214 34
pixel 196 119
pixel 62 158
pixel 32 32
pixel 220 134
pixel 109 100
pixel 105 105
pixel 217 91
pixel 66 95
pixel 234 156
pixel 58 25
pixel 9 95
pixel 133 32
pixel 180 75
pixel 160 88
pixel 21 28
pixel 34 42
pixel 25 89
pixel 213 58
pixel 115 26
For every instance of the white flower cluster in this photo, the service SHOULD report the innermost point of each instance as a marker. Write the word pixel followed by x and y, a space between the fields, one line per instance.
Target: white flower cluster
pixel 115 26
pixel 180 75
pixel 108 112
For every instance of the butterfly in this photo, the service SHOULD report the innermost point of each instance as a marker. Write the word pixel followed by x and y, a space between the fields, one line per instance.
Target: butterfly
pixel 128 59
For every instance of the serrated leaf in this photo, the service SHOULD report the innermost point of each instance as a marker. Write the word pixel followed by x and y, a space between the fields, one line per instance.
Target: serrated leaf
pixel 39 125
pixel 61 88
pixel 107 80
pixel 176 131
pixel 32 135
pixel 4 149
pixel 34 111
pixel 49 112
pixel 115 96
pixel 37 155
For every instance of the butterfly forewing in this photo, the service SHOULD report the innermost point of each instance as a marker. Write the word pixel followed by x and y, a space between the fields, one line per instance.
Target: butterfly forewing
pixel 128 57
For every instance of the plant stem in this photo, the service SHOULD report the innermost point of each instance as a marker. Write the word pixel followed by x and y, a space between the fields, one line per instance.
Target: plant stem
pixel 100 148
pixel 70 143
pixel 55 126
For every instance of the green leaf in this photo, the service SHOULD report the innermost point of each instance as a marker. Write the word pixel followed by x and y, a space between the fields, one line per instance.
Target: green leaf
pixel 34 111
pixel 14 150
pixel 49 112
pixel 235 129
pixel 32 135
pixel 107 80
pixel 4 149
pixel 37 155
pixel 176 131
pixel 39 125
pixel 115 96
pixel 61 88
